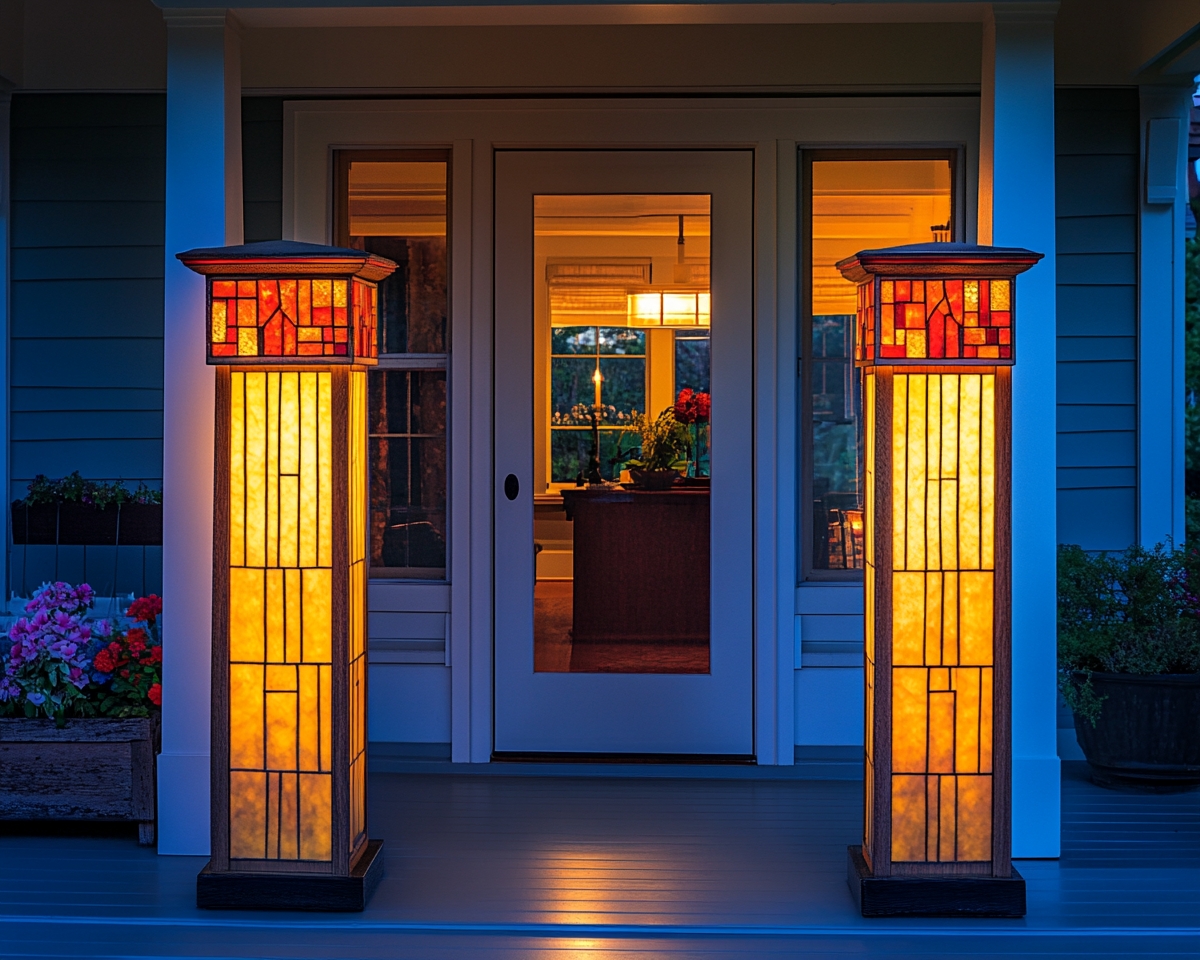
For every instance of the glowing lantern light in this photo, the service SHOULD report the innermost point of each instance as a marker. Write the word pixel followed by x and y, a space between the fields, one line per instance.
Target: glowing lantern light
pixel 665 308
pixel 291 328
pixel 935 344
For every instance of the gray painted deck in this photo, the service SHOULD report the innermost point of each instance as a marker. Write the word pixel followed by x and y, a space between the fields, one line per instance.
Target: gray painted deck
pixel 498 866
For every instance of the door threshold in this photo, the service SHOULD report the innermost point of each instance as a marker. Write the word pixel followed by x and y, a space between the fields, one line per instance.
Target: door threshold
pixel 520 756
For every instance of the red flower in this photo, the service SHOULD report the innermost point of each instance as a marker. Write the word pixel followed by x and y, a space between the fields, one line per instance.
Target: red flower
pixel 145 609
pixel 125 673
pixel 155 694
pixel 153 656
pixel 692 406
pixel 135 639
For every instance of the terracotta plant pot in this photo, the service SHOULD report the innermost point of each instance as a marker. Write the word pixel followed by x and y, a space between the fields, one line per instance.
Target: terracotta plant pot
pixel 654 479
pixel 1148 731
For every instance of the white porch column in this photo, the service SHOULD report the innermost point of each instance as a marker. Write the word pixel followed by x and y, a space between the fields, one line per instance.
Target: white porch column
pixel 1165 115
pixel 1022 179
pixel 204 208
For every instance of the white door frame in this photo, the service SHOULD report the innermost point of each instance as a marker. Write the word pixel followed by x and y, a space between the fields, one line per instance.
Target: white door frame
pixel 774 129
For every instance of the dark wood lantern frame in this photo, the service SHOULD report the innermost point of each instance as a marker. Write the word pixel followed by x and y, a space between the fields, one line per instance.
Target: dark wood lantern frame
pixel 284 854
pixel 940 880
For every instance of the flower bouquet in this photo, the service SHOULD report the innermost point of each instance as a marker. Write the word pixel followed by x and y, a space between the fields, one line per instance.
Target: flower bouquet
pixel 693 409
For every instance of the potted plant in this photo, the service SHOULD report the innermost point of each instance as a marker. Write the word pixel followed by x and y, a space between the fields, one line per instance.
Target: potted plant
pixel 89 512
pixel 1129 662
pixel 79 711
pixel 662 446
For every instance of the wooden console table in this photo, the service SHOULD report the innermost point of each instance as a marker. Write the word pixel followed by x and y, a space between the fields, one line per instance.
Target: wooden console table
pixel 641 564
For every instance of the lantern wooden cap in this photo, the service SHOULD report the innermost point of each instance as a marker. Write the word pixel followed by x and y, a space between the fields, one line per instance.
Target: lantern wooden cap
pixel 936 303
pixel 289 258
pixel 938 260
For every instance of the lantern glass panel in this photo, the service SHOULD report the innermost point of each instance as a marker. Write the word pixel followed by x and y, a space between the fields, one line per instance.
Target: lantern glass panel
pixel 855 205
pixel 280 617
pixel 398 208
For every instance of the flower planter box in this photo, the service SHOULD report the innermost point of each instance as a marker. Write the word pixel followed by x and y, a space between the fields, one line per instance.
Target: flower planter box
pixel 130 524
pixel 1148 732
pixel 91 769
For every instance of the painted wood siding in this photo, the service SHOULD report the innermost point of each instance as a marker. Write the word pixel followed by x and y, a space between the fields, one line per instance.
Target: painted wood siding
pixel 87 288
pixel 1097 176
pixel 262 168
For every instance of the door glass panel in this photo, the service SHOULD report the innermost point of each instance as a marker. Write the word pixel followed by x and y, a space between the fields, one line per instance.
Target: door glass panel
pixel 856 205
pixel 621 405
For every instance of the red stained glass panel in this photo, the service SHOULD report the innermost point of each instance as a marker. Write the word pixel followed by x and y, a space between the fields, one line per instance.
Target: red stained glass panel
pixel 294 317
pixel 934 320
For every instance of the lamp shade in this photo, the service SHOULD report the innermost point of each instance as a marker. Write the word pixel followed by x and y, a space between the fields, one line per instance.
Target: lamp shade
pixel 935 345
pixel 290 327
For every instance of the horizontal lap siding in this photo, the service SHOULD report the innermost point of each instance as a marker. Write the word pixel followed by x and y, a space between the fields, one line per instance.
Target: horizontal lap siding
pixel 87 292
pixel 1097 176
pixel 262 168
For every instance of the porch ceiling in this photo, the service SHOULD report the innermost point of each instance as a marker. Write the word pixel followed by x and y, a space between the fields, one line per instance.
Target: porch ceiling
pixel 517 866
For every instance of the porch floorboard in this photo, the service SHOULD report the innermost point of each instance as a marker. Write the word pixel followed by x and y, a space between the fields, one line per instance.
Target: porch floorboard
pixel 523 866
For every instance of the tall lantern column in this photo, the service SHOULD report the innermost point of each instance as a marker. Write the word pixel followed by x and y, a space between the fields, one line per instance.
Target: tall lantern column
pixel 935 343
pixel 291 329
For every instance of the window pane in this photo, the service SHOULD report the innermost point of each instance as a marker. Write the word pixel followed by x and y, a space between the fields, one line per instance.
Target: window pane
pixel 856 205
pixel 397 208
pixel 408 473
pixel 691 364
pixel 573 340
pixel 570 450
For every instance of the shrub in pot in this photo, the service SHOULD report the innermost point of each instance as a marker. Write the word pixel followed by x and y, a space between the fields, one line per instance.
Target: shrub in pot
pixel 1129 662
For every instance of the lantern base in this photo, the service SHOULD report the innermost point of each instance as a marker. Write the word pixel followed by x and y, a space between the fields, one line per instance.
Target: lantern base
pixel 934 896
pixel 296 891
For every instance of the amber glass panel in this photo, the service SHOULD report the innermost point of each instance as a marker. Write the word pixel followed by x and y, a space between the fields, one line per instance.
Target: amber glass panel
pixel 856 205
pixel 943 495
pixel 280 619
pixel 622 313
pixel 398 209
pixel 357 651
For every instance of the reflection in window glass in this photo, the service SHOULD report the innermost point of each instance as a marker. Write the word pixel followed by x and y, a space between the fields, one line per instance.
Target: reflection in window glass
pixel 856 205
pixel 397 209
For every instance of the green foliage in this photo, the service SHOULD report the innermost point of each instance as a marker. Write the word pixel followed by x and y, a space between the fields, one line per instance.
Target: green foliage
pixel 663 440
pixel 75 489
pixel 1131 612
pixel 1192 378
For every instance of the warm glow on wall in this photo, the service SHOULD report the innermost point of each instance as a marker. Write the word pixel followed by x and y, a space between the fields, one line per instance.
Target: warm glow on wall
pixel 935 347
pixel 289 583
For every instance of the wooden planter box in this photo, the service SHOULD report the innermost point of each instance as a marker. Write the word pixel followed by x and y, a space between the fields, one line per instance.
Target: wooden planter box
pixel 80 524
pixel 91 769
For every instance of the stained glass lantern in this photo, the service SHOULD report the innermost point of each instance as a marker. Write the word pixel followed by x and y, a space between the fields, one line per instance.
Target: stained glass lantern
pixel 935 345
pixel 290 328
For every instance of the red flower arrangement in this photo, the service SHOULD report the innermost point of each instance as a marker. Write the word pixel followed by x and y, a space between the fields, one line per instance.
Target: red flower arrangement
pixel 692 406
pixel 134 661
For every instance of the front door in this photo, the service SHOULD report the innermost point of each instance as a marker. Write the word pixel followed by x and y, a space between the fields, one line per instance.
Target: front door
pixel 623 453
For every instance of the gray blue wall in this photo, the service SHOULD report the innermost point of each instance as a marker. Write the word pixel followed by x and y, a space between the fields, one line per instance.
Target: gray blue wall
pixel 1097 199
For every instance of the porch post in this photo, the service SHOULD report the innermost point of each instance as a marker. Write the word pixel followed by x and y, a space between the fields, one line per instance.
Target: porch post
pixel 203 209
pixel 1165 116
pixel 1023 215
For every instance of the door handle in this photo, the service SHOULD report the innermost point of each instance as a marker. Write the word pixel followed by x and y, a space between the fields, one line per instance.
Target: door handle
pixel 512 486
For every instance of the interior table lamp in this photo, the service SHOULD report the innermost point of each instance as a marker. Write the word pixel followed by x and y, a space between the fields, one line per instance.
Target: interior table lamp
pixel 291 329
pixel 935 343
